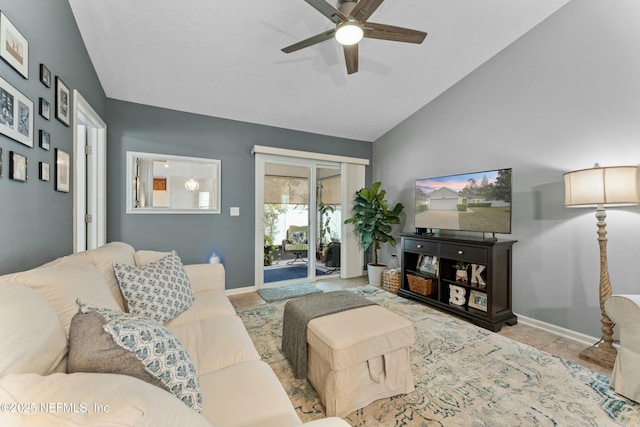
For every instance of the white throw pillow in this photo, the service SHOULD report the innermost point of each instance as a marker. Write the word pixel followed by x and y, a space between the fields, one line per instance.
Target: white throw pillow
pixel 159 351
pixel 160 290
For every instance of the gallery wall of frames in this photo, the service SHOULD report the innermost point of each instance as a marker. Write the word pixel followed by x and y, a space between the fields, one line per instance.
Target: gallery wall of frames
pixel 18 116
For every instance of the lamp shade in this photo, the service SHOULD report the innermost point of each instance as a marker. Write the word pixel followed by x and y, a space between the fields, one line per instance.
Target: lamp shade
pixel 610 186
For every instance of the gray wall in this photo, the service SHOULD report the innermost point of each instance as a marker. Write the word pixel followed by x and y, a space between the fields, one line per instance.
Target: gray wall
pixel 564 96
pixel 135 127
pixel 35 220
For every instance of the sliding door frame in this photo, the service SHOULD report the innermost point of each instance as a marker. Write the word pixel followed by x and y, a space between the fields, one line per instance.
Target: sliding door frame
pixel 352 178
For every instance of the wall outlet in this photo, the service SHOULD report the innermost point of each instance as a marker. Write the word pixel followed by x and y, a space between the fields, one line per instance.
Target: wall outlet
pixel 235 211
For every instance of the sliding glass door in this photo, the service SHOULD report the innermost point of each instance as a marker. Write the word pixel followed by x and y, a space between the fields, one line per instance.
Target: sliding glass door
pixel 299 214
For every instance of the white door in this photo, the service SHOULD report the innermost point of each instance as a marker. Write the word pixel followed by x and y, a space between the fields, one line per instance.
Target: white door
pixel 90 184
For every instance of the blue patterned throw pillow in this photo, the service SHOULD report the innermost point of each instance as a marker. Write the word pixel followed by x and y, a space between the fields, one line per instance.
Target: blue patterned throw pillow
pixel 160 290
pixel 159 351
pixel 298 238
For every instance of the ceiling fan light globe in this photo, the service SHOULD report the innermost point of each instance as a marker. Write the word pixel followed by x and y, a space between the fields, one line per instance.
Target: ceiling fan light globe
pixel 349 33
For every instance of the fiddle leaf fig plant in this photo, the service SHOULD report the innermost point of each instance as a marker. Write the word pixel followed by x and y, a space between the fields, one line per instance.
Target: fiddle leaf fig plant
pixel 373 218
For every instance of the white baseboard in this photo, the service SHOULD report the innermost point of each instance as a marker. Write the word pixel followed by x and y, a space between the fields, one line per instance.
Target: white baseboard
pixel 558 330
pixel 238 291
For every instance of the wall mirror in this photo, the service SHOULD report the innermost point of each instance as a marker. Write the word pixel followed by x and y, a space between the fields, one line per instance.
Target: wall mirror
pixel 165 184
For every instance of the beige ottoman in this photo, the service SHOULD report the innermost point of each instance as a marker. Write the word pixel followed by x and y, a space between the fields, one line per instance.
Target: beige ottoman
pixel 358 356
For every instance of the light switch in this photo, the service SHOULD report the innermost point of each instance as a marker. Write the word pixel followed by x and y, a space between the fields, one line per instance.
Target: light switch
pixel 234 211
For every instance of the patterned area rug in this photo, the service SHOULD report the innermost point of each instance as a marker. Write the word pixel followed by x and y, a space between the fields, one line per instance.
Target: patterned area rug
pixel 464 376
pixel 287 292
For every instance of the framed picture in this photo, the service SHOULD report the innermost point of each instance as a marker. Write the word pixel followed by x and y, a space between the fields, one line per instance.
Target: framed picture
pixel 17 167
pixel 63 172
pixel 45 109
pixel 14 48
pixel 63 102
pixel 43 173
pixel 45 139
pixel 478 300
pixel 16 114
pixel 428 265
pixel 45 75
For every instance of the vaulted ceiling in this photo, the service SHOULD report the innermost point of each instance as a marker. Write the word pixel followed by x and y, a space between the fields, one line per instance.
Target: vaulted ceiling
pixel 224 58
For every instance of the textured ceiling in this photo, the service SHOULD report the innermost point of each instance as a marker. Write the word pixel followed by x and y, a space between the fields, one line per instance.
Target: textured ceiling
pixel 223 58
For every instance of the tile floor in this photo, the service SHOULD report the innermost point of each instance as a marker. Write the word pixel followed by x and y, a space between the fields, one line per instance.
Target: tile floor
pixel 559 346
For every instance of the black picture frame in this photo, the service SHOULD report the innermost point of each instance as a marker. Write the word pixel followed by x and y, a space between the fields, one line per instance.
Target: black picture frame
pixel 44 140
pixel 45 109
pixel 63 171
pixel 18 167
pixel 63 102
pixel 16 114
pixel 44 171
pixel 14 47
pixel 45 75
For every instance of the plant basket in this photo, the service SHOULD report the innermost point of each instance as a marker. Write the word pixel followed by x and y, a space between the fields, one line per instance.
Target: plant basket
pixel 391 280
pixel 420 285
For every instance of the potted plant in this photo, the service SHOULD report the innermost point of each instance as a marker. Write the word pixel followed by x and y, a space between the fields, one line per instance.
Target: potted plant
pixel 461 272
pixel 324 211
pixel 268 249
pixel 373 219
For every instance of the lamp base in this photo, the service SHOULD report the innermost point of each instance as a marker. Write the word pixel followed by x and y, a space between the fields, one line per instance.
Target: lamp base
pixel 601 356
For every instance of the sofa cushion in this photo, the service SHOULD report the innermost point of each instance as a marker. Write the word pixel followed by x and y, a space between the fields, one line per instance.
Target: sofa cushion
pixel 31 335
pixel 160 290
pixel 93 400
pixel 144 257
pixel 205 305
pixel 64 282
pixel 216 342
pixel 206 277
pixel 104 257
pixel 247 394
pixel 159 352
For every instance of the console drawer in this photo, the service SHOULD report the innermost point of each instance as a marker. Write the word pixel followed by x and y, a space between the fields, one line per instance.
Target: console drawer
pixel 420 246
pixel 472 254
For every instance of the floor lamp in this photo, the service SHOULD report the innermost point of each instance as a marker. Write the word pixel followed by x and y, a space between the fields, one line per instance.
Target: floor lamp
pixel 602 187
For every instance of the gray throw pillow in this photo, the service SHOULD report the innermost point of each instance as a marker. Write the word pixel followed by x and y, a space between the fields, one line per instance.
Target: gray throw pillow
pixel 108 341
pixel 160 290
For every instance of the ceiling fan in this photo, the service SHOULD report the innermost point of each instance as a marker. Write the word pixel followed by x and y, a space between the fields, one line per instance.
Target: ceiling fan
pixel 352 25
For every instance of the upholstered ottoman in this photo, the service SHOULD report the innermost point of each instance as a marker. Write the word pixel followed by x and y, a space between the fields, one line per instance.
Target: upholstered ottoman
pixel 358 356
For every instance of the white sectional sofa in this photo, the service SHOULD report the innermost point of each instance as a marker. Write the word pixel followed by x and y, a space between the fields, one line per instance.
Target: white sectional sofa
pixel 36 310
pixel 624 310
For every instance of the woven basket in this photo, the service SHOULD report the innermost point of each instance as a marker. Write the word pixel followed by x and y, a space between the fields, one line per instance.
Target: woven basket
pixel 420 285
pixel 391 280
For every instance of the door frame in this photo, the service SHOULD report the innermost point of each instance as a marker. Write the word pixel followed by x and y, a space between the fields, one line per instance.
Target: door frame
pixel 85 116
pixel 352 179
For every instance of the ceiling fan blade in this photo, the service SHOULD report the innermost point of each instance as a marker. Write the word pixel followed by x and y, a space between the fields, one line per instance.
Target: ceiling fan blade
pixel 327 10
pixel 365 8
pixel 396 34
pixel 310 41
pixel 351 58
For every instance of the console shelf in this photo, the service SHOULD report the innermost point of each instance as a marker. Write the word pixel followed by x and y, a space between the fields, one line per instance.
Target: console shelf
pixel 429 275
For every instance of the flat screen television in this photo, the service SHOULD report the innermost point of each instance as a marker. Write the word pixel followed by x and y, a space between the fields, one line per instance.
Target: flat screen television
pixel 478 201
